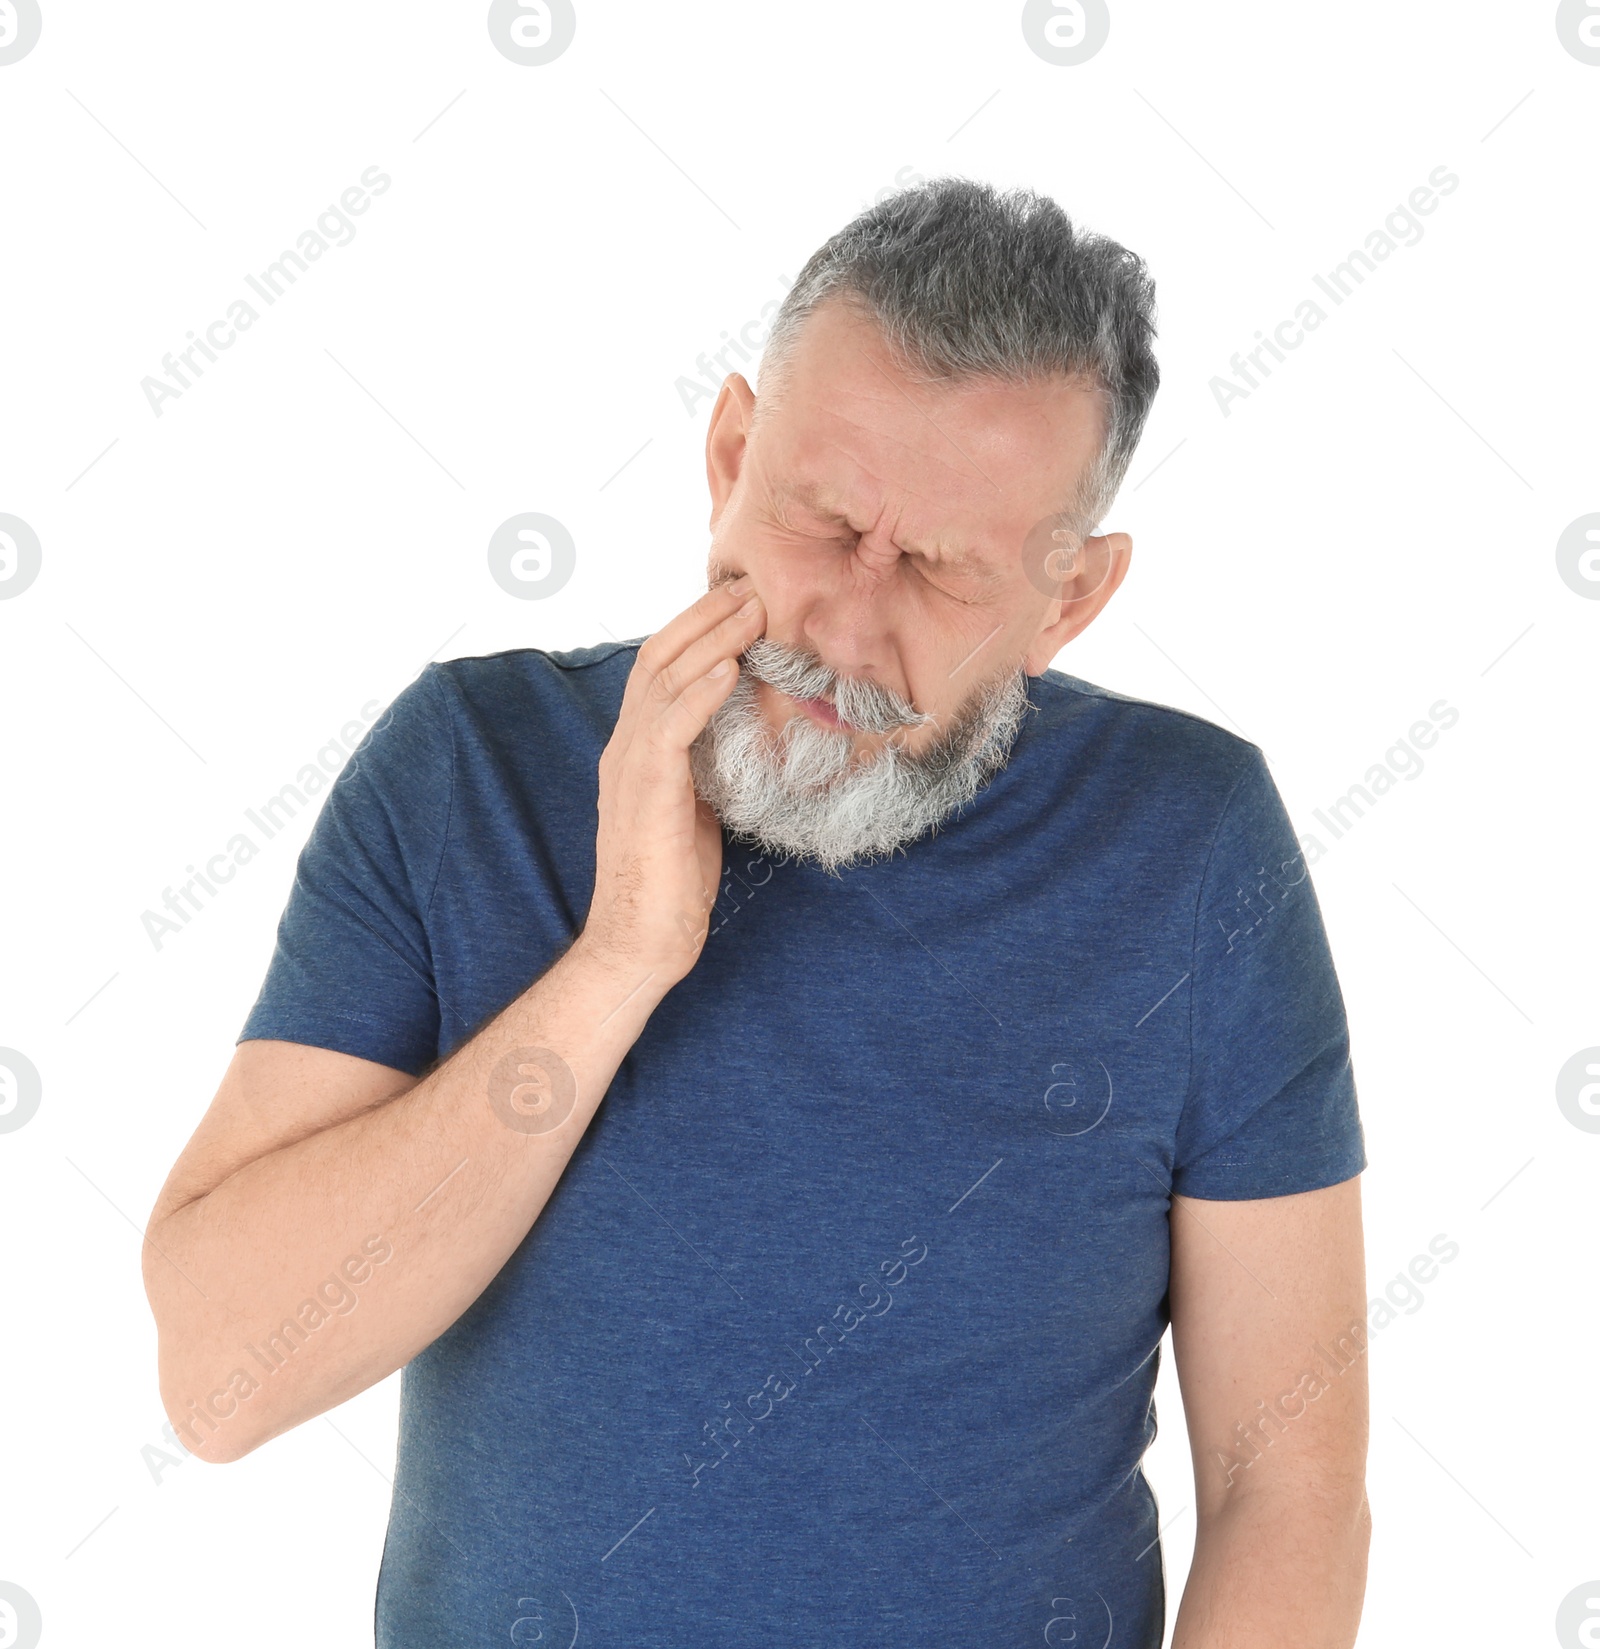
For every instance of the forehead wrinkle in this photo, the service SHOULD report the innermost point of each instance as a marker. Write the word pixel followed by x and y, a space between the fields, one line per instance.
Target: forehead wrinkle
pixel 890 433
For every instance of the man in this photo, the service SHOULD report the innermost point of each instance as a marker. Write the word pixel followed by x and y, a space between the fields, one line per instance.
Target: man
pixel 771 1086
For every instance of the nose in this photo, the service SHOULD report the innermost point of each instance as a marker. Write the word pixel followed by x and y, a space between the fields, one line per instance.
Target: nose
pixel 847 609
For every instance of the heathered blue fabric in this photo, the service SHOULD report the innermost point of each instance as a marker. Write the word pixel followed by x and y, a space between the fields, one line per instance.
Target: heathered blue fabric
pixel 842 1325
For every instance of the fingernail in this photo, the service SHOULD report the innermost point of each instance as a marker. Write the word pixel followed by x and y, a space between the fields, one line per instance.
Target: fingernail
pixel 740 584
pixel 750 606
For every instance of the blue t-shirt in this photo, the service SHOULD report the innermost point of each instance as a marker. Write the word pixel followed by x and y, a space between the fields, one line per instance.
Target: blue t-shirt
pixel 842 1325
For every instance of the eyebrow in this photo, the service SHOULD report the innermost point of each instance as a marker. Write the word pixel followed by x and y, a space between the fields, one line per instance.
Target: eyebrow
pixel 816 498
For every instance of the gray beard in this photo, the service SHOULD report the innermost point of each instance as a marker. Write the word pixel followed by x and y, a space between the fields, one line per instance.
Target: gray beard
pixel 805 796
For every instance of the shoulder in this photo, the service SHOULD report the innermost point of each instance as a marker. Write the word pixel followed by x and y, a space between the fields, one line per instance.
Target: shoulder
pixel 1140 741
pixel 578 669
pixel 525 687
pixel 529 720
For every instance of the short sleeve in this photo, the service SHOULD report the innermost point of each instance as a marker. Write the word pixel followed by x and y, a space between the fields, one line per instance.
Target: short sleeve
pixel 1271 1106
pixel 352 968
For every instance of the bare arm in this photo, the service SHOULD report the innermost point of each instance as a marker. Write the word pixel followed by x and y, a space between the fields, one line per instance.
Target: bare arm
pixel 1269 1331
pixel 331 1216
pixel 422 1187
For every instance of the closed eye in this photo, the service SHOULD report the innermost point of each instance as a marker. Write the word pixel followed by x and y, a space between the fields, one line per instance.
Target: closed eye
pixel 957 584
pixel 938 576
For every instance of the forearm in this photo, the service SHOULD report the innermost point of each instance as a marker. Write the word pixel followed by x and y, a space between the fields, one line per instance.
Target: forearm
pixel 1278 1569
pixel 261 1323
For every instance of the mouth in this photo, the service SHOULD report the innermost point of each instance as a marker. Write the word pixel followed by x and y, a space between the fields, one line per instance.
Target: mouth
pixel 824 713
pixel 818 710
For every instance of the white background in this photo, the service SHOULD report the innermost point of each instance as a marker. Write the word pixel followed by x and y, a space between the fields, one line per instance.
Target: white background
pixel 225 585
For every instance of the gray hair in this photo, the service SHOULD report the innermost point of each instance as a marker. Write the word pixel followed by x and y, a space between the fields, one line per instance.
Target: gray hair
pixel 966 282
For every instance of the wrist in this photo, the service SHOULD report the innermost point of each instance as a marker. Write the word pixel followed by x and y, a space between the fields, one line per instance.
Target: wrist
pixel 619 973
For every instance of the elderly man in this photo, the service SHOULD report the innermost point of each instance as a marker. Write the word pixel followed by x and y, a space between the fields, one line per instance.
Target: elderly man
pixel 771 1087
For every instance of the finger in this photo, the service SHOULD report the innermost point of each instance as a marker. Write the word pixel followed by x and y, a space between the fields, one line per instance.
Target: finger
pixel 669 642
pixel 723 641
pixel 684 718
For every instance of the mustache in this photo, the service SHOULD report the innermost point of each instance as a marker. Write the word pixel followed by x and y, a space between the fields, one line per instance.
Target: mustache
pixel 863 706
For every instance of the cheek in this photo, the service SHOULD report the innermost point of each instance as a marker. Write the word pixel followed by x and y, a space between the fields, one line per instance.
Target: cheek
pixel 789 571
pixel 738 545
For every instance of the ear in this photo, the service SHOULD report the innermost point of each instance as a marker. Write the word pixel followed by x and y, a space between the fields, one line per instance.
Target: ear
pixel 1101 565
pixel 731 420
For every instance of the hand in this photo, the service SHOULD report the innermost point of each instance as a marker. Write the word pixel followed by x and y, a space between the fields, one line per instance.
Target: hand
pixel 658 851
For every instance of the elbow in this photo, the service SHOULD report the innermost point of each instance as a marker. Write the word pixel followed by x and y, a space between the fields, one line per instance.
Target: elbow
pixel 212 1425
pixel 207 1417
pixel 1345 1507
pixel 1363 1530
pixel 214 1411
pixel 217 1405
pixel 1338 1515
pixel 1341 1507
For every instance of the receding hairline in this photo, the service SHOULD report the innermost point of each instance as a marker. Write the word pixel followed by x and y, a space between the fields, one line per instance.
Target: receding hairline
pixel 967 279
pixel 775 377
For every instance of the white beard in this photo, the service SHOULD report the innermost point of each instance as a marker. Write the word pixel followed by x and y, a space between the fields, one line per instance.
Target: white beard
pixel 804 794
